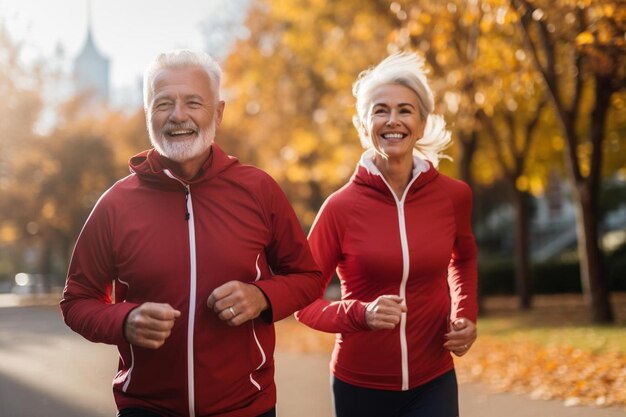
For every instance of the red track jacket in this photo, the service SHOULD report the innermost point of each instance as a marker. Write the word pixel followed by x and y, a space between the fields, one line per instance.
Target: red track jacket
pixel 420 247
pixel 161 239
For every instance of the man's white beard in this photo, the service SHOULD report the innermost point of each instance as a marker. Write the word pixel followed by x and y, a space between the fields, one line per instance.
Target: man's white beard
pixel 181 151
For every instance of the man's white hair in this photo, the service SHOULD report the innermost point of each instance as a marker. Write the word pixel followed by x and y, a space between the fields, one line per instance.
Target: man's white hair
pixel 181 58
pixel 407 69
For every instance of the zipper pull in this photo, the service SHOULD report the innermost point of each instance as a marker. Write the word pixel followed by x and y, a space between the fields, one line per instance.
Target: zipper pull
pixel 187 202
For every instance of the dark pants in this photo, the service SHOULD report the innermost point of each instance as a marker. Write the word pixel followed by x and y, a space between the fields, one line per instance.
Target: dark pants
pixel 437 398
pixel 138 412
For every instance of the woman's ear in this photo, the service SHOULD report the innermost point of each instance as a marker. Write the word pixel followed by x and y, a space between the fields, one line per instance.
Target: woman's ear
pixel 364 131
pixel 359 126
pixel 423 126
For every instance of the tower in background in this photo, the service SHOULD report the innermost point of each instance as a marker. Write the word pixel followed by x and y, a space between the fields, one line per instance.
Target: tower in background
pixel 91 68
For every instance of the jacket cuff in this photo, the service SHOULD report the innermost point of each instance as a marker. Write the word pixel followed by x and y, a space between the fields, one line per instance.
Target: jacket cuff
pixel 276 312
pixel 359 320
pixel 266 315
pixel 124 310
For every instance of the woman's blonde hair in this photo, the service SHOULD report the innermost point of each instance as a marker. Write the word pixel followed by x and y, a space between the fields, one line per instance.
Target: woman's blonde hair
pixel 407 69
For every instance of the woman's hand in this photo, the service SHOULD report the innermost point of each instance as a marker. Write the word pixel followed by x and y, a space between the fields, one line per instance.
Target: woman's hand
pixel 385 312
pixel 461 336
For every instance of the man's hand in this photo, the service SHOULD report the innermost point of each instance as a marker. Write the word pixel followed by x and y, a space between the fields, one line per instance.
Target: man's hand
pixel 462 335
pixel 150 324
pixel 237 302
pixel 385 312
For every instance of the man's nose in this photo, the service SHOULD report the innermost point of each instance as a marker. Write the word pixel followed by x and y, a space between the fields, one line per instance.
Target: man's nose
pixel 178 113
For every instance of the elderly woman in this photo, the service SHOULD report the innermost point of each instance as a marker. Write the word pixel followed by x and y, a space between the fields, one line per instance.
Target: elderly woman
pixel 399 236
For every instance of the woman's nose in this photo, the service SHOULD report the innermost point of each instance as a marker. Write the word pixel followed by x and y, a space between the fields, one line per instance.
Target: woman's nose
pixel 392 120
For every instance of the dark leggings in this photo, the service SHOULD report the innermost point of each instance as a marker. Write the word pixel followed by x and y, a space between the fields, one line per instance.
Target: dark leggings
pixel 437 398
pixel 139 412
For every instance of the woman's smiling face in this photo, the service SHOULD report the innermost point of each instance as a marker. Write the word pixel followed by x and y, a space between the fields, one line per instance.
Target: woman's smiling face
pixel 394 123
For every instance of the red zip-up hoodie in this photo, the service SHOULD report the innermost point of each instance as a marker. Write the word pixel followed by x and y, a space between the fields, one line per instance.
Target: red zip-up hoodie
pixel 162 239
pixel 420 247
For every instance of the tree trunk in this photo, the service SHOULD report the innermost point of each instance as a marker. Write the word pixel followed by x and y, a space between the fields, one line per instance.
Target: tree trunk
pixel 591 268
pixel 315 199
pixel 523 282
pixel 45 264
pixel 593 280
pixel 467 142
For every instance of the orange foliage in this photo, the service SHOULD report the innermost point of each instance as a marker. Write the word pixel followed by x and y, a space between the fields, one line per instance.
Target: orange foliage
pixel 547 372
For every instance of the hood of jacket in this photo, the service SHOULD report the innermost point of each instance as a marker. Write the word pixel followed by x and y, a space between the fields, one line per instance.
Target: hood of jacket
pixel 367 174
pixel 151 168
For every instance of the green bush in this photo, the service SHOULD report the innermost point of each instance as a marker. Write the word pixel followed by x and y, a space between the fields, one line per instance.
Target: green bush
pixel 552 277
pixel 556 277
pixel 616 272
pixel 616 269
pixel 496 277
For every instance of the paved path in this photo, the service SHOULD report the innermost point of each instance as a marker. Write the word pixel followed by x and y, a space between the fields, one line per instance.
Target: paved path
pixel 48 371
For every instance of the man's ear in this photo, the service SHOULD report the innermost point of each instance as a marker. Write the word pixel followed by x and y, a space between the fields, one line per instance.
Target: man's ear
pixel 219 112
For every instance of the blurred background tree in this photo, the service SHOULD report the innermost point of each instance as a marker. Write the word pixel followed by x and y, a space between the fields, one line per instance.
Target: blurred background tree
pixel 50 181
pixel 289 91
pixel 489 93
pixel 493 60
pixel 20 105
pixel 579 48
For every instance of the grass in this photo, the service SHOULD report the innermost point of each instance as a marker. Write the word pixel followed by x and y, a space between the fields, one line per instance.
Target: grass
pixel 556 319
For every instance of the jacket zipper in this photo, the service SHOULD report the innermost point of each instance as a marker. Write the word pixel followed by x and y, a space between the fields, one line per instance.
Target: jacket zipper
pixel 129 374
pixel 404 350
pixel 256 339
pixel 192 292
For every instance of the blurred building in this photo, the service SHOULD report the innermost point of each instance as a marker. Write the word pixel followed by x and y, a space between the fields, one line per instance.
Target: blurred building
pixel 91 70
pixel 553 221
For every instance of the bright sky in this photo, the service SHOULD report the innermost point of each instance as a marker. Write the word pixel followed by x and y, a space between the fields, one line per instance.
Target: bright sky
pixel 129 32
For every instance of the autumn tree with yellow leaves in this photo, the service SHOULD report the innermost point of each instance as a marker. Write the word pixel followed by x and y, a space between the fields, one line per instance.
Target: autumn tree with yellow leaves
pixel 20 105
pixel 49 181
pixel 499 63
pixel 579 48
pixel 490 95
pixel 288 91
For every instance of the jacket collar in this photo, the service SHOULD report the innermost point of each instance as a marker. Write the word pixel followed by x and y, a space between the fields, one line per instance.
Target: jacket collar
pixel 369 175
pixel 151 167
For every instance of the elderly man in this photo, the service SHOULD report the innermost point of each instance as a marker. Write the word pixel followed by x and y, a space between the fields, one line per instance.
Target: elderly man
pixel 203 253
